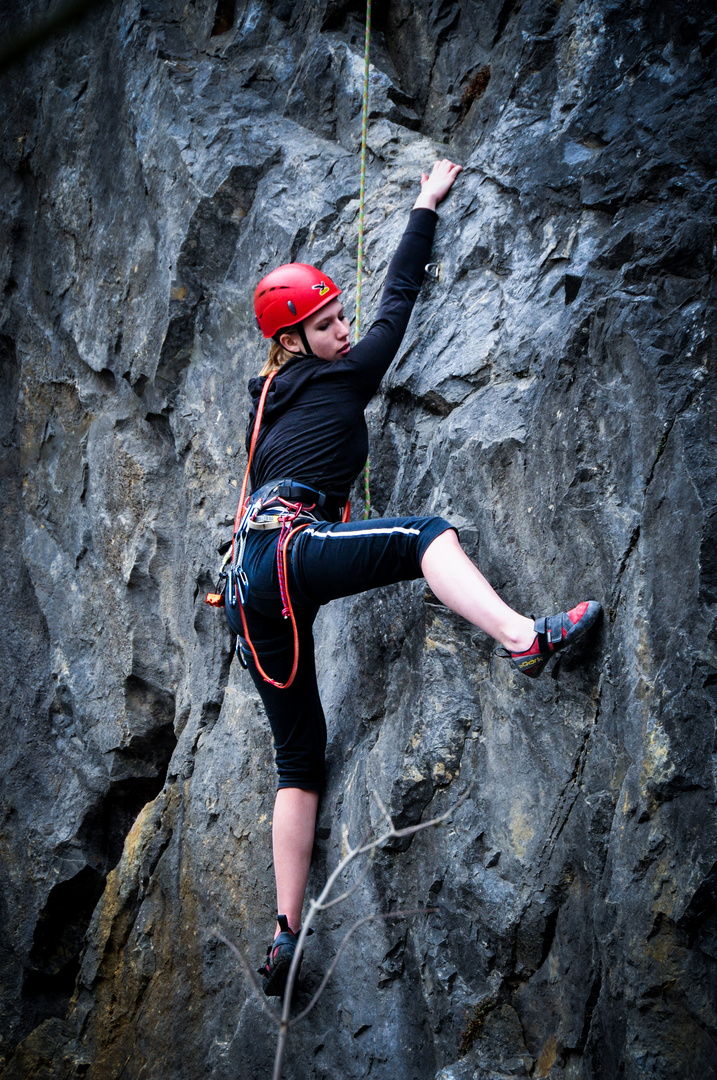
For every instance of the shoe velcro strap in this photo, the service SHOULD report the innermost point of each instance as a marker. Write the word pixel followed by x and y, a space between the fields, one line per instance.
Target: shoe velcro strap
pixel 545 637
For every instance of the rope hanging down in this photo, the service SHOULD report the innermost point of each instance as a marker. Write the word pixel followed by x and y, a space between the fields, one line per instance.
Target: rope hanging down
pixel 362 194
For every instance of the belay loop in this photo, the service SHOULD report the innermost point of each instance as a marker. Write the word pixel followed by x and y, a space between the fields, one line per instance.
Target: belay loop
pixel 288 611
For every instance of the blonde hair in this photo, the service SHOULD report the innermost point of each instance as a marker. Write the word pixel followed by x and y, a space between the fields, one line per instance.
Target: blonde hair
pixel 278 356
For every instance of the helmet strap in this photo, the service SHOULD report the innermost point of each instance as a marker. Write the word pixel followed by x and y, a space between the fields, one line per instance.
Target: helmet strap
pixel 299 329
pixel 304 340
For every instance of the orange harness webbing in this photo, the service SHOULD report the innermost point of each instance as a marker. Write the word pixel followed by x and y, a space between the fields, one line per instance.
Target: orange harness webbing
pixel 252 448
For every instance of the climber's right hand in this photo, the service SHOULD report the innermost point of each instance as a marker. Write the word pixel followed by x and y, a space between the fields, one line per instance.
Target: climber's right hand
pixel 436 184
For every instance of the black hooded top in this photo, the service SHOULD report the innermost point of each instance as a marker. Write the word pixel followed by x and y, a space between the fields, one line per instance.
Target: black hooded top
pixel 313 428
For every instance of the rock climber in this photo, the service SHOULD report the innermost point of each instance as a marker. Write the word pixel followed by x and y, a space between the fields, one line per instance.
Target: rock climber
pixel 308 441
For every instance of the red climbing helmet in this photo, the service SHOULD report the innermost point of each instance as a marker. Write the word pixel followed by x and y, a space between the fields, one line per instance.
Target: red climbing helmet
pixel 289 294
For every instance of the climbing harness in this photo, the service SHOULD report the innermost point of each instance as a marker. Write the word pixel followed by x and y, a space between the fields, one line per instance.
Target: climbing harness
pixel 237 584
pixel 362 199
pixel 287 505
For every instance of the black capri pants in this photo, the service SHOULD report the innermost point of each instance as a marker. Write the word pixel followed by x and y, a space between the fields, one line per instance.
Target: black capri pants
pixel 328 560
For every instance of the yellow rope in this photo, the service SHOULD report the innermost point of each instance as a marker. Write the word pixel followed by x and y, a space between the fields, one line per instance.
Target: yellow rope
pixel 362 193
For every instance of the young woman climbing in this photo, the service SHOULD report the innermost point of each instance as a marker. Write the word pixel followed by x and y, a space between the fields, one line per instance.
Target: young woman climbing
pixel 307 442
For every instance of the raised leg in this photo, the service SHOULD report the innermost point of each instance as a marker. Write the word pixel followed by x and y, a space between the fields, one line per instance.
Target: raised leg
pixel 460 586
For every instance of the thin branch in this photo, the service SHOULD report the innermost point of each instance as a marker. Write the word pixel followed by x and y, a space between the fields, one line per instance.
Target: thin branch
pixel 409 830
pixel 322 904
pixel 250 975
pixel 350 932
pixel 345 895
pixel 317 905
pixel 383 809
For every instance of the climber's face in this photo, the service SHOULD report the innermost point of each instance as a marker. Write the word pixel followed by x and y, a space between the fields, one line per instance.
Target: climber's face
pixel 327 332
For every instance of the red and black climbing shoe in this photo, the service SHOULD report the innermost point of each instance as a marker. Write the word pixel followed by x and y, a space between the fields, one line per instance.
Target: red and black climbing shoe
pixel 553 633
pixel 279 955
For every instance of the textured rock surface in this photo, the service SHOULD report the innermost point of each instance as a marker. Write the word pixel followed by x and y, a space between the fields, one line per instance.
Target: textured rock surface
pixel 555 396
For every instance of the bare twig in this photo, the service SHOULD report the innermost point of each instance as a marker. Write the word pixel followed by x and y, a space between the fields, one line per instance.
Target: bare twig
pixel 357 882
pixel 349 933
pixel 382 808
pixel 250 975
pixel 321 904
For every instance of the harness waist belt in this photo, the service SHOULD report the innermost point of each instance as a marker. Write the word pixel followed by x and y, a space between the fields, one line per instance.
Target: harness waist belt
pixel 296 491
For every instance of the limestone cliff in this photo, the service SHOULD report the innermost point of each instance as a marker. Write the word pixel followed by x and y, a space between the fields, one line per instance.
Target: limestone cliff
pixel 554 397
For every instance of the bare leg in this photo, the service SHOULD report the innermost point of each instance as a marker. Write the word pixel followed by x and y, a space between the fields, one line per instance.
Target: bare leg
pixel 460 586
pixel 293 839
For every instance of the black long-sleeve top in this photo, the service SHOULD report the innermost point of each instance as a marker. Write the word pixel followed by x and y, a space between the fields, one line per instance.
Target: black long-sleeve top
pixel 313 428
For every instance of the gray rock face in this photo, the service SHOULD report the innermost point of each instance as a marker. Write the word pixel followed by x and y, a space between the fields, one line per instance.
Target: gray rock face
pixel 554 397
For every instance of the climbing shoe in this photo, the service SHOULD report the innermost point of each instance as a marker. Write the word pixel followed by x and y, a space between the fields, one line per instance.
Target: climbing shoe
pixel 279 955
pixel 553 633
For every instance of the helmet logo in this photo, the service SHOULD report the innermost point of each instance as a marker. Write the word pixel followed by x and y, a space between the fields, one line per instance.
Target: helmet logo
pixel 322 287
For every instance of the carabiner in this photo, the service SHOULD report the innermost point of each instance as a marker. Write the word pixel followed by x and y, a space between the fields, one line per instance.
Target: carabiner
pixel 243 585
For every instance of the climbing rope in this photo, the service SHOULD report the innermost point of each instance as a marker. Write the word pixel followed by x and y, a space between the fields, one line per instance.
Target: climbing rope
pixel 362 194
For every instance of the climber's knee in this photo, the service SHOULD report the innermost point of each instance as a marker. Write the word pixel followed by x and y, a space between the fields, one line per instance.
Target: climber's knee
pixel 300 758
pixel 431 529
